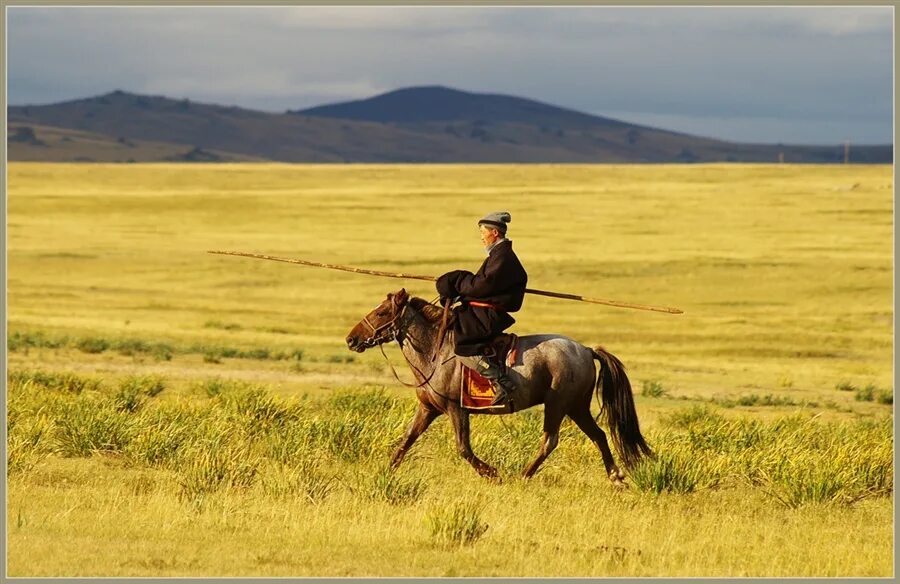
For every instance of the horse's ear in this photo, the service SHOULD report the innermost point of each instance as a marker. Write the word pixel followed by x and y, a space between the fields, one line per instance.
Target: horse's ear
pixel 402 296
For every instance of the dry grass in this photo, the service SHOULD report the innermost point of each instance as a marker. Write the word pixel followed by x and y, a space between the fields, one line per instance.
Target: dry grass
pixel 174 413
pixel 241 460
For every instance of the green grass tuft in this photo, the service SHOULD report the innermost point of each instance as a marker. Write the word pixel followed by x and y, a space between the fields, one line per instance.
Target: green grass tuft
pixel 55 381
pixel 92 345
pixel 672 472
pixel 24 340
pixel 213 464
pixel 394 487
pixel 133 390
pixel 307 481
pixel 866 393
pixel 459 524
pixel 90 425
pixel 225 326
pixel 652 388
pixel 215 386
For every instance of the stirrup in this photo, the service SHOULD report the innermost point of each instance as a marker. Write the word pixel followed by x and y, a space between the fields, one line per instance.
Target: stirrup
pixel 501 393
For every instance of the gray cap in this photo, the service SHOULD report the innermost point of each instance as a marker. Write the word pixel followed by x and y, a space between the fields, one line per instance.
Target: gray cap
pixel 497 219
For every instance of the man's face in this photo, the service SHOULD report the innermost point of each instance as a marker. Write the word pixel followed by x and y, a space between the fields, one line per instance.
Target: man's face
pixel 488 235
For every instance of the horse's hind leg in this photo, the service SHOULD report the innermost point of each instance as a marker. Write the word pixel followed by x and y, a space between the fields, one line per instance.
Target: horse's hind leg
pixel 553 417
pixel 585 421
pixel 423 418
pixel 460 420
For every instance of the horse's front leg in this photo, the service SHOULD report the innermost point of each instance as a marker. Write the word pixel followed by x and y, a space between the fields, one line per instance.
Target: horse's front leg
pixel 420 422
pixel 459 417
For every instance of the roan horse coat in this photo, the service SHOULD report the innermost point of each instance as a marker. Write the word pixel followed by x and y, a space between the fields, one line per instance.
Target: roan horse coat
pixel 552 369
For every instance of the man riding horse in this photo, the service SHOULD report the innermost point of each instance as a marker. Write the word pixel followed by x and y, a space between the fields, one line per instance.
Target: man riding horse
pixel 486 299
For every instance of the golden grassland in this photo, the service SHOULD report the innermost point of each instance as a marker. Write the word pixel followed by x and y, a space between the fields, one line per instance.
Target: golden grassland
pixel 784 273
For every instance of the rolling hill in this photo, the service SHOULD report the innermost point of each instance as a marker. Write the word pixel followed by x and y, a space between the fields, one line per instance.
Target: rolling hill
pixel 52 144
pixel 443 104
pixel 421 124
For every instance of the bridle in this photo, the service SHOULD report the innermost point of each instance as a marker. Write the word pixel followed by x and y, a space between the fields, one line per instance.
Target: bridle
pixel 393 331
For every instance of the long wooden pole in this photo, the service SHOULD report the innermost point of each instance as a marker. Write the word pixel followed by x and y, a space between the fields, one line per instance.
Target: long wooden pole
pixel 562 295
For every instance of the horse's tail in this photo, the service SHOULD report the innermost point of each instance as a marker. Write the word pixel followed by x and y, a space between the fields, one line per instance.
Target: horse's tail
pixel 617 408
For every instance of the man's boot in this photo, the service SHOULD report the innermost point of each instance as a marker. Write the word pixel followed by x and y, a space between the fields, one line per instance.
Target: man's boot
pixel 504 388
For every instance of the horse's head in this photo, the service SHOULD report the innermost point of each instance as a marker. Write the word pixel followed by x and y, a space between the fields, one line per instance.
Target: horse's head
pixel 380 325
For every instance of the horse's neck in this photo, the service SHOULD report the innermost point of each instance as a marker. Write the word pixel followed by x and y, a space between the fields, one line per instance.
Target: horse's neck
pixel 420 339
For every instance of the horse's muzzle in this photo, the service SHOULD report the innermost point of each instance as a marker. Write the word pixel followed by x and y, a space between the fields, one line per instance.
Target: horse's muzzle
pixel 355 345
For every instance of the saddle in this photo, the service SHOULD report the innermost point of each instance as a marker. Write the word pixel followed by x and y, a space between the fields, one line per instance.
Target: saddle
pixel 477 391
pixel 503 350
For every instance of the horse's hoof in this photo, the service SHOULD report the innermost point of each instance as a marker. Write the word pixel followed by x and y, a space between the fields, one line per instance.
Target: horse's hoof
pixel 490 473
pixel 617 478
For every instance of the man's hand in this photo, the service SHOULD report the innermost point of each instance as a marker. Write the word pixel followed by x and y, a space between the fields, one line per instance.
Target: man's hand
pixel 446 284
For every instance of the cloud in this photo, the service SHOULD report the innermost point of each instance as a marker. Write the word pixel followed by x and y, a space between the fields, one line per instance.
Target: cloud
pixel 416 20
pixel 830 64
pixel 845 21
pixel 754 21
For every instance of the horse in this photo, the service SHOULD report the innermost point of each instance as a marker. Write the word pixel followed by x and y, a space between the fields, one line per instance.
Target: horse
pixel 554 370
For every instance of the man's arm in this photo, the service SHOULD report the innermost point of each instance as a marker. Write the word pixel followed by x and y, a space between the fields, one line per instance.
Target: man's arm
pixel 447 284
pixel 483 284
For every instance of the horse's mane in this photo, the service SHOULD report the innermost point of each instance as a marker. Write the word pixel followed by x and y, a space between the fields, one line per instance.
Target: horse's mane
pixel 431 312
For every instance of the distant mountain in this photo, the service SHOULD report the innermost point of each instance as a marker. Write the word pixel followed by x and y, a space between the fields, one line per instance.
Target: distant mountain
pixel 442 104
pixel 423 124
pixel 52 144
pixel 212 127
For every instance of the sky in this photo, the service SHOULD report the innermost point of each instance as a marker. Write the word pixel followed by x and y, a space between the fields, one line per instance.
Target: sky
pixel 810 75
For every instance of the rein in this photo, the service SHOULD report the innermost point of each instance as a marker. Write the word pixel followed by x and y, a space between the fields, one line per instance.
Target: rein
pixel 395 331
pixel 394 334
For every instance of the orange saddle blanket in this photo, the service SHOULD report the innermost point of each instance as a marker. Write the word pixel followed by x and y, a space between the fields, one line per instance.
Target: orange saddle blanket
pixel 477 392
